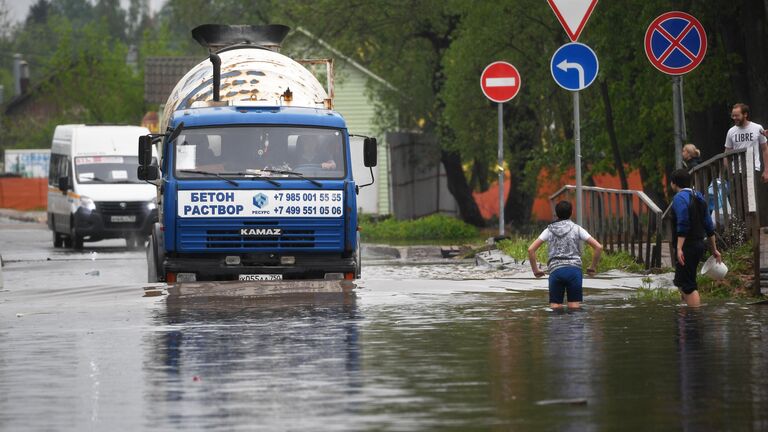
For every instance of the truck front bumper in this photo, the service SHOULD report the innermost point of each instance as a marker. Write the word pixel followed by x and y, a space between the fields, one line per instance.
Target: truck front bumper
pixel 216 267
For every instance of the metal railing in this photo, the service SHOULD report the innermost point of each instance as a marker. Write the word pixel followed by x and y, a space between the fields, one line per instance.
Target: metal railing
pixel 726 181
pixel 622 220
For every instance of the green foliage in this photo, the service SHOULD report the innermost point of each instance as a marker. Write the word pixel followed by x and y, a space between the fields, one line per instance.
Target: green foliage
pixel 430 228
pixel 737 282
pixel 517 248
pixel 433 52
pixel 79 73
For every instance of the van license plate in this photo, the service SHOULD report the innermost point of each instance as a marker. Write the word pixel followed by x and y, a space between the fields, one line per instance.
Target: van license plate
pixel 129 218
pixel 260 277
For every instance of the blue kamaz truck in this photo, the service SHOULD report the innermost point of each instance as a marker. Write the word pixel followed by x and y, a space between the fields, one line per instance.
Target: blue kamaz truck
pixel 254 177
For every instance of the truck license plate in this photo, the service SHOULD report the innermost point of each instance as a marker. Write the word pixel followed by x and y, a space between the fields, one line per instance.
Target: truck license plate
pixel 123 219
pixel 260 277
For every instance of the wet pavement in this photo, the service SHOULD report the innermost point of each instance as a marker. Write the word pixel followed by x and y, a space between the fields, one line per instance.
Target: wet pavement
pixel 85 346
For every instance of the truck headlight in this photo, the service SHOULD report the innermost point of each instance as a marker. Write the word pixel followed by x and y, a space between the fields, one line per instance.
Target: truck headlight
pixel 152 204
pixel 87 203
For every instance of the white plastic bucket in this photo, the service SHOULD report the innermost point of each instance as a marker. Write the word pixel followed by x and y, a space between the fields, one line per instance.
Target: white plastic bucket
pixel 713 269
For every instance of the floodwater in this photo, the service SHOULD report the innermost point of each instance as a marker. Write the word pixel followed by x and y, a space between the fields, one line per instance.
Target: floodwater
pixel 91 352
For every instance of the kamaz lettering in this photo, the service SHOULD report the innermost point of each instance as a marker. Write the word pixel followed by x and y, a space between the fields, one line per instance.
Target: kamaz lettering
pixel 261 232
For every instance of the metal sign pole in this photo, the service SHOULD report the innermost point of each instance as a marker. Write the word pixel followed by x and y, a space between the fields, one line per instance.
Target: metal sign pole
pixel 577 142
pixel 501 169
pixel 676 116
pixel 683 133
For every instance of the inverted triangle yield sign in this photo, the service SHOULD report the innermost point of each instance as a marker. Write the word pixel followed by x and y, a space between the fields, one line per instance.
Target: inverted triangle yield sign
pixel 573 15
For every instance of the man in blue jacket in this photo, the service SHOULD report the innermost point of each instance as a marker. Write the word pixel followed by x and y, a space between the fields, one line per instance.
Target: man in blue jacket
pixel 692 224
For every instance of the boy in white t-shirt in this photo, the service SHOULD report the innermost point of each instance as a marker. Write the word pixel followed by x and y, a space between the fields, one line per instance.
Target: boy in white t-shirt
pixel 564 263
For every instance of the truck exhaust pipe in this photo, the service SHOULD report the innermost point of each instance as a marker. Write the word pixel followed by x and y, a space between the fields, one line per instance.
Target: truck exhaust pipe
pixel 216 62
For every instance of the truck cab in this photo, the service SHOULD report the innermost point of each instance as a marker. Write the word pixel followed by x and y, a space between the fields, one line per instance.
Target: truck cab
pixel 253 189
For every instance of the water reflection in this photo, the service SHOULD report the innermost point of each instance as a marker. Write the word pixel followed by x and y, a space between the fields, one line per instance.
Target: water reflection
pixel 216 360
pixel 543 368
pixel 692 367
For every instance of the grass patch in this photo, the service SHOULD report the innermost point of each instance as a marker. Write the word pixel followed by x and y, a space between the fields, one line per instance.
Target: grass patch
pixel 738 281
pixel 647 292
pixel 434 228
pixel 517 248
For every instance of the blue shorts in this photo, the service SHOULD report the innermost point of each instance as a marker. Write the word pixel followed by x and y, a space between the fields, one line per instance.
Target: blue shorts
pixel 565 279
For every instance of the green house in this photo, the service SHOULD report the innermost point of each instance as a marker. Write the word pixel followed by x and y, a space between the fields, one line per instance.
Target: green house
pixel 352 98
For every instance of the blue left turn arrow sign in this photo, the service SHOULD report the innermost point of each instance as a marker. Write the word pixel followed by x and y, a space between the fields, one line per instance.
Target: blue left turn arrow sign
pixel 574 66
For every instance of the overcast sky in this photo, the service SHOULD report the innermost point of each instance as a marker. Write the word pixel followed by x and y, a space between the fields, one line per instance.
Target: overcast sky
pixel 18 8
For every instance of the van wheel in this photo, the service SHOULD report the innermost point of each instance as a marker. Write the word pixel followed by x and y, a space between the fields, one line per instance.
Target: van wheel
pixel 134 242
pixel 77 240
pixel 66 241
pixel 58 240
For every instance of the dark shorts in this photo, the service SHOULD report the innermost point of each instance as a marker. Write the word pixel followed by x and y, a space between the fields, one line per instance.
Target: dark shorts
pixel 565 279
pixel 685 276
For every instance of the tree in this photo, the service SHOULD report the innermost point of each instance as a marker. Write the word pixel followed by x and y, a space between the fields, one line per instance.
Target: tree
pixel 405 42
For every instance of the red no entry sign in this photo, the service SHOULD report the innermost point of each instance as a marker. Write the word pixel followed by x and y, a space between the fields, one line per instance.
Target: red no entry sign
pixel 500 81
pixel 675 43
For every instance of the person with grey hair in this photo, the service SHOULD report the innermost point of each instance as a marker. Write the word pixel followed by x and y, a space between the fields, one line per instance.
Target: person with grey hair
pixel 564 239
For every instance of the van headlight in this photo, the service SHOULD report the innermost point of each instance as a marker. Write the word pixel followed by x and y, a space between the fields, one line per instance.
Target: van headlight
pixel 152 204
pixel 87 203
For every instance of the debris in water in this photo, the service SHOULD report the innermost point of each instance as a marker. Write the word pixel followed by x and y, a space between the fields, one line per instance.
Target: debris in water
pixel 93 273
pixel 574 401
pixel 195 378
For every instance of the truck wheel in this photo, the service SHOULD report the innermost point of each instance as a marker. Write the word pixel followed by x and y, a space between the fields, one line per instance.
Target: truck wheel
pixel 153 266
pixel 58 240
pixel 358 259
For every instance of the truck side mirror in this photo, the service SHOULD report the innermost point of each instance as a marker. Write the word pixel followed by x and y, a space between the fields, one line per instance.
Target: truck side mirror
pixel 145 150
pixel 148 172
pixel 64 184
pixel 369 152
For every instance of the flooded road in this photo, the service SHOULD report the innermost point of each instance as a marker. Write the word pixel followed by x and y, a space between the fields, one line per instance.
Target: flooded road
pixel 406 348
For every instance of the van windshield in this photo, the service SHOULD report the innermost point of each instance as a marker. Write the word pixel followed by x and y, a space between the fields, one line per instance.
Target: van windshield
pixel 107 169
pixel 251 151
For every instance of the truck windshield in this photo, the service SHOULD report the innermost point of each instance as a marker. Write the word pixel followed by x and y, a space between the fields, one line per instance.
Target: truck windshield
pixel 251 151
pixel 107 169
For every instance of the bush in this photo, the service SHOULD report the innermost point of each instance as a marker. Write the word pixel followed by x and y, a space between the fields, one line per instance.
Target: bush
pixel 430 228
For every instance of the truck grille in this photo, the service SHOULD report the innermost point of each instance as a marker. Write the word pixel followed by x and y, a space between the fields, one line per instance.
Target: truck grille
pixel 316 234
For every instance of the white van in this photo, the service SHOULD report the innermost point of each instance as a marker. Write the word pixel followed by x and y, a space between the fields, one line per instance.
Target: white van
pixel 93 191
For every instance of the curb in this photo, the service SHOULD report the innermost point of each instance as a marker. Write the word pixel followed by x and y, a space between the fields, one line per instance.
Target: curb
pixel 31 217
